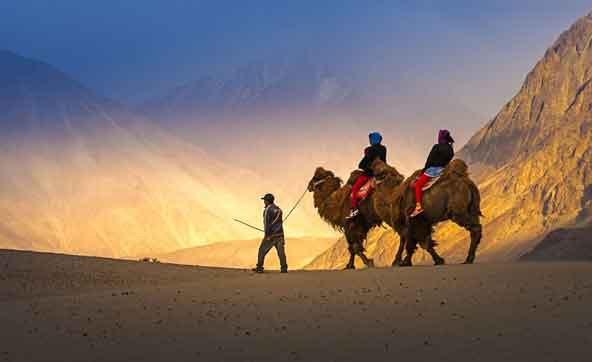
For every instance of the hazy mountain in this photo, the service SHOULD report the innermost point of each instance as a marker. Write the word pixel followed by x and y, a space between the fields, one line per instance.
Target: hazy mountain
pixel 82 174
pixel 243 253
pixel 533 159
pixel 268 115
pixel 262 88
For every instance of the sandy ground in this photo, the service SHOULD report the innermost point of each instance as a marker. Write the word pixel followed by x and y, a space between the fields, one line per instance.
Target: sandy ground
pixel 64 308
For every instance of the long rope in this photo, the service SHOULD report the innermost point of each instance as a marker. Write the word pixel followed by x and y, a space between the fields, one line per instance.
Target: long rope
pixel 286 218
pixel 248 225
pixel 296 204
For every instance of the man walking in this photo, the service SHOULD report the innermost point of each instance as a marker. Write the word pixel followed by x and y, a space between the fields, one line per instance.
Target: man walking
pixel 274 234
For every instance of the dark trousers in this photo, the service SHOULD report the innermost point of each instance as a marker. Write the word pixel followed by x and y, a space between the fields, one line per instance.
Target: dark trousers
pixel 265 247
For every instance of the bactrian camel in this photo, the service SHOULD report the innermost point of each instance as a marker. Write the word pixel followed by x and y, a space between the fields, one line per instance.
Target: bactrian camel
pixel 333 202
pixel 454 197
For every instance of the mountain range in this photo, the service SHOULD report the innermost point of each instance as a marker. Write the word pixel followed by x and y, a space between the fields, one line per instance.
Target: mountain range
pixel 267 114
pixel 258 88
pixel 84 174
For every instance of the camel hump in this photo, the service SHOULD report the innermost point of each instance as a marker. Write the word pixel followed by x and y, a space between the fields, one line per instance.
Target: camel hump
pixel 457 167
pixel 354 176
pixel 381 170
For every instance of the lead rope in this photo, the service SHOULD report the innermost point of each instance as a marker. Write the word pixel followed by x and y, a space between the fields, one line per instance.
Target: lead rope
pixel 302 196
pixel 296 204
pixel 292 210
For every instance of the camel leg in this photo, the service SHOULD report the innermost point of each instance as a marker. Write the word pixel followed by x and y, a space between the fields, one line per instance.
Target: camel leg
pixel 351 241
pixel 350 263
pixel 357 248
pixel 399 255
pixel 438 260
pixel 475 240
pixel 472 224
pixel 367 261
pixel 355 234
pixel 410 246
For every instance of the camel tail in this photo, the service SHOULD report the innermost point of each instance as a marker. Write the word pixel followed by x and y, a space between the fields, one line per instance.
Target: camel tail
pixel 475 206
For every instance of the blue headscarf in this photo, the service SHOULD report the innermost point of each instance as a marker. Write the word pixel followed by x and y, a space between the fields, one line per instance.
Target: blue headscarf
pixel 375 138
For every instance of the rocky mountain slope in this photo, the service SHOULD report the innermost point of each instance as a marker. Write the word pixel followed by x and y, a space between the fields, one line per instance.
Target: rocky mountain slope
pixel 82 174
pixel 533 160
pixel 563 244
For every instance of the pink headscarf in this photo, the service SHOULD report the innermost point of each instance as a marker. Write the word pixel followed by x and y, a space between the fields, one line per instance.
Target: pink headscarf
pixel 444 136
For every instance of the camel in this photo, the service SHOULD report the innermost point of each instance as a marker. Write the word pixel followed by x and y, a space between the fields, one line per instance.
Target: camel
pixel 454 197
pixel 333 203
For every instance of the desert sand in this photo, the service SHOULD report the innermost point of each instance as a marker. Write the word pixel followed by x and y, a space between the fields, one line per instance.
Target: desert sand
pixel 67 308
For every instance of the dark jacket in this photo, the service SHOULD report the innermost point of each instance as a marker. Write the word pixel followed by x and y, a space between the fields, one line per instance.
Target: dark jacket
pixel 440 156
pixel 272 221
pixel 370 154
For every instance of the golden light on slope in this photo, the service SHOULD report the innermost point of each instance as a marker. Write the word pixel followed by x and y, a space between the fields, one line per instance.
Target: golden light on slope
pixel 124 196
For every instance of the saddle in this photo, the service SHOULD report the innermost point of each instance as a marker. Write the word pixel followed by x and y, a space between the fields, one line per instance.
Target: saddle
pixel 428 185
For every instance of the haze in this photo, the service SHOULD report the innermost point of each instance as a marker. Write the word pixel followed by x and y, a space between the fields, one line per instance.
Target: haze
pixel 133 50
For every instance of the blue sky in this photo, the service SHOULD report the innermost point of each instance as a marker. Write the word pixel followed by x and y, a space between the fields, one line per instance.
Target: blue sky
pixel 476 51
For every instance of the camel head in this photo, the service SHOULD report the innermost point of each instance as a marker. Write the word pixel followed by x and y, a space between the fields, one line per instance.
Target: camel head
pixel 383 172
pixel 322 177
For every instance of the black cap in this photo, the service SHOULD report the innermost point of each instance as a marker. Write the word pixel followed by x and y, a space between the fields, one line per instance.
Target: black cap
pixel 268 197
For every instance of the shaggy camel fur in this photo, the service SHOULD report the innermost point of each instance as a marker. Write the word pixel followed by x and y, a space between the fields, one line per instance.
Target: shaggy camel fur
pixel 454 197
pixel 333 203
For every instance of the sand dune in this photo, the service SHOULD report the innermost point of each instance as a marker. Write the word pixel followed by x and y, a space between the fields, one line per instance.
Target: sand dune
pixel 64 308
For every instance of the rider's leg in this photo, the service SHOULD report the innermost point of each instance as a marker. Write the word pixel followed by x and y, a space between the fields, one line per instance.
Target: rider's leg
pixel 423 179
pixel 360 181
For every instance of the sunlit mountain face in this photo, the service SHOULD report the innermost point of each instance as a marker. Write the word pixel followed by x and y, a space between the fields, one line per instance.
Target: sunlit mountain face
pixel 83 174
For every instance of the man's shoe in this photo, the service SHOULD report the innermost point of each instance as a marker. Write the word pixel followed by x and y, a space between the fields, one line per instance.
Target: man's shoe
pixel 257 270
pixel 352 214
pixel 284 271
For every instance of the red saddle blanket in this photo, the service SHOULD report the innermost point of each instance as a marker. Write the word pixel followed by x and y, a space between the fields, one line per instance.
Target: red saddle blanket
pixel 366 189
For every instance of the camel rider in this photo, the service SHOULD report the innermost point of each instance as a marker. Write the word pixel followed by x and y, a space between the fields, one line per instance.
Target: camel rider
pixel 371 153
pixel 442 153
pixel 274 234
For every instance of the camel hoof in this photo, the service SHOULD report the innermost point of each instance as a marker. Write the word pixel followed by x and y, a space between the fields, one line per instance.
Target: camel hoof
pixel 468 261
pixel 348 267
pixel 406 263
pixel 370 263
pixel 397 263
pixel 440 261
